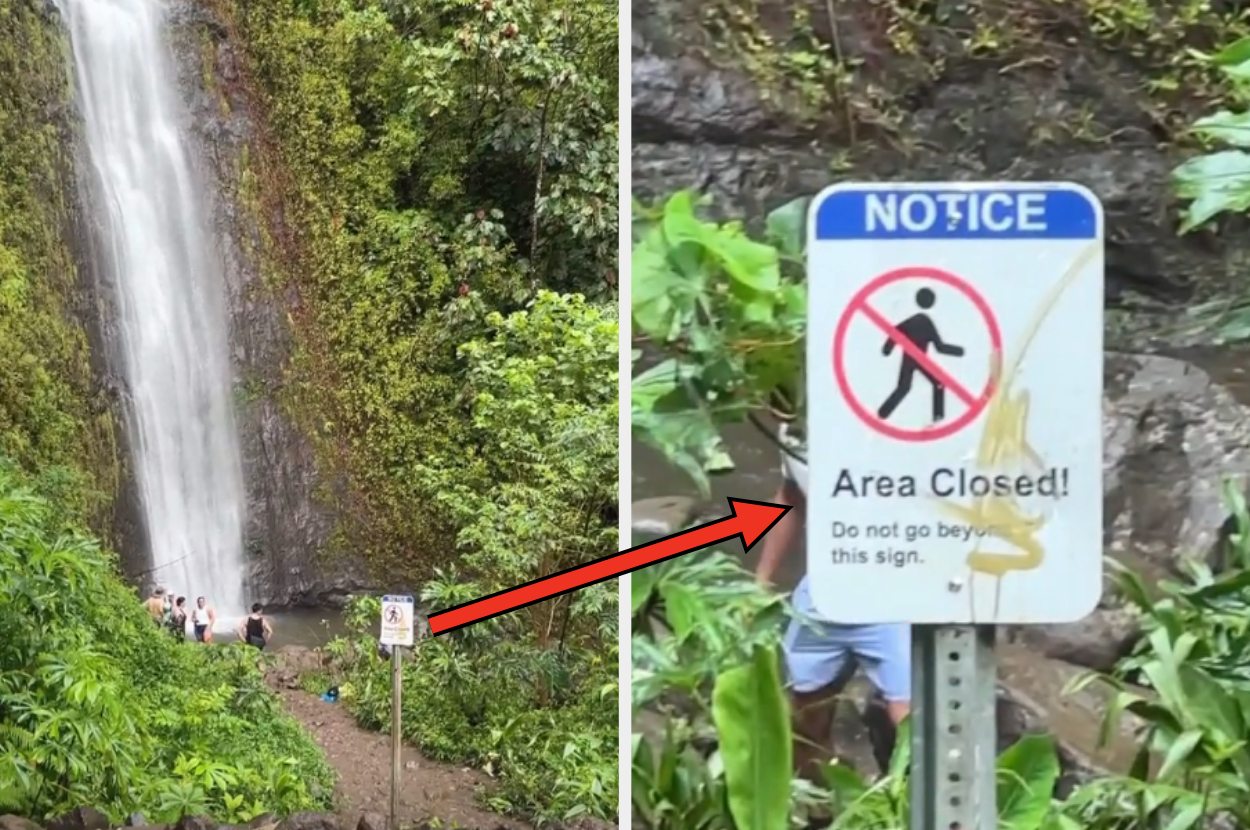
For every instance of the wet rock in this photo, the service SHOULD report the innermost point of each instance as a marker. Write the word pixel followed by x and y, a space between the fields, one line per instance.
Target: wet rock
pixel 136 820
pixel 587 823
pixel 195 823
pixel 689 85
pixel 1097 642
pixel 653 518
pixel 372 821
pixel 80 818
pixel 12 822
pixel 299 659
pixel 1172 436
pixel 309 821
pixel 290 513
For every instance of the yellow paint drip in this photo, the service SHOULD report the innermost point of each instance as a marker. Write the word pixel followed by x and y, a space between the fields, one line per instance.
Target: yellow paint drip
pixel 1004 446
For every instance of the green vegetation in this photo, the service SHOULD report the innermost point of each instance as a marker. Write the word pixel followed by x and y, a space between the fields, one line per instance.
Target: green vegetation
pixel 1218 181
pixel 436 186
pixel 859 79
pixel 726 312
pixel 51 422
pixel 447 172
pixel 419 153
pixel 530 697
pixel 99 708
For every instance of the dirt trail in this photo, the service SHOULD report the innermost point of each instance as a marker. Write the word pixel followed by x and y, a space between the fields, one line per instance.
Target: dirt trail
pixel 431 794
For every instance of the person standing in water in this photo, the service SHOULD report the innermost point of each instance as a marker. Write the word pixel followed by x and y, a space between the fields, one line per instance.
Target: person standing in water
pixel 203 618
pixel 178 618
pixel 255 630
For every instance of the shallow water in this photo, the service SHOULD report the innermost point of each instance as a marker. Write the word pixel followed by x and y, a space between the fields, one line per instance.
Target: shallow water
pixel 307 627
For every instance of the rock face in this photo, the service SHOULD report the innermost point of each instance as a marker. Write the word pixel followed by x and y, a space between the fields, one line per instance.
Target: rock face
pixel 1172 435
pixel 289 520
pixel 970 91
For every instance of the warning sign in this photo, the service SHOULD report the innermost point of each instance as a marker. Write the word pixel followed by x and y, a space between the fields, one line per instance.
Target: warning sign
pixel 954 373
pixel 917 345
pixel 397 621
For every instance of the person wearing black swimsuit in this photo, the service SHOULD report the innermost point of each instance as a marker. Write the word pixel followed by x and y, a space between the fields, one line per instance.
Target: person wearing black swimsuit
pixel 255 630
pixel 178 619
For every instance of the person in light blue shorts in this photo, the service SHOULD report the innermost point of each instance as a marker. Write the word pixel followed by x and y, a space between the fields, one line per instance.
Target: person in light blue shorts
pixel 821 655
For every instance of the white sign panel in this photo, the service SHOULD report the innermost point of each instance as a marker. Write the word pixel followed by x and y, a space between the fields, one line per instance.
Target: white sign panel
pixel 397 621
pixel 954 379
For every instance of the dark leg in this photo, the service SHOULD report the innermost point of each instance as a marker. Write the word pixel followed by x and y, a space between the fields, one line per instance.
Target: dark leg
pixel 813 723
pixel 939 399
pixel 882 731
pixel 813 728
pixel 905 373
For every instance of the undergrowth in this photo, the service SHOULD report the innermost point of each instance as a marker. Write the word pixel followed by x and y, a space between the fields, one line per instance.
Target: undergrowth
pixel 100 708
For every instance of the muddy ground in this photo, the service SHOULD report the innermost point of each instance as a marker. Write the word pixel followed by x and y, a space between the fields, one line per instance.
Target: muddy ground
pixel 431 794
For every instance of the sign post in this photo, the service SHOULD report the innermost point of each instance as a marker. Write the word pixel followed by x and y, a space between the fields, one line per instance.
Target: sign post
pixel 397 633
pixel 954 392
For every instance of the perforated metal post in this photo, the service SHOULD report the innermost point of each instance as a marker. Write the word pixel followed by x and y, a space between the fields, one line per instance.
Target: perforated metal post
pixel 397 738
pixel 954 676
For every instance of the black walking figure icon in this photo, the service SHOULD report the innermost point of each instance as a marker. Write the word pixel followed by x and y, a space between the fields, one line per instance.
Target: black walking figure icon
pixel 392 614
pixel 921 331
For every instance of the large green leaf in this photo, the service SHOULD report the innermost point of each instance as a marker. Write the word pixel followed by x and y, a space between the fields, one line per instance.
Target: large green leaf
pixel 1229 127
pixel 753 719
pixel 1214 183
pixel 1027 772
pixel 787 226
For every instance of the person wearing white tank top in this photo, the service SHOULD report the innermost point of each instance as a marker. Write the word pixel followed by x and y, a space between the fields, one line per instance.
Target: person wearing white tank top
pixel 820 654
pixel 202 619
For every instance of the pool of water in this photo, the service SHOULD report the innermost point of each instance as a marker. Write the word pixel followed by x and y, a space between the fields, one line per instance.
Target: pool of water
pixel 308 627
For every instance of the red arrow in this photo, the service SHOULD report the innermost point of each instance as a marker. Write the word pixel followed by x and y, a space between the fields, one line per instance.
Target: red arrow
pixel 750 521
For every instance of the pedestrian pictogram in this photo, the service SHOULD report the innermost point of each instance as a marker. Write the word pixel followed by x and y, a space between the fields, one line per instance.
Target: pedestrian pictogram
pixel 920 332
pixel 937 314
pixel 397 621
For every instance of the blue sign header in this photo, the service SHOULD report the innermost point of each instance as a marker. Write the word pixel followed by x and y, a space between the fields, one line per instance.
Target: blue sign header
pixel 938 212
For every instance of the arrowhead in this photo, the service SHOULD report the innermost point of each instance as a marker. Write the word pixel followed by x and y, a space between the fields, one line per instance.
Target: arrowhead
pixel 755 518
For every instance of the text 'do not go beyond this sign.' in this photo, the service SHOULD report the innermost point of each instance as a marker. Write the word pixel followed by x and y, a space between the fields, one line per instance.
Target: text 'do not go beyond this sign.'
pixel 954 373
pixel 397 621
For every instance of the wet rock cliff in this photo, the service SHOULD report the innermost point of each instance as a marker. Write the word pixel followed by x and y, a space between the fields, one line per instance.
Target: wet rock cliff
pixel 291 513
pixel 760 101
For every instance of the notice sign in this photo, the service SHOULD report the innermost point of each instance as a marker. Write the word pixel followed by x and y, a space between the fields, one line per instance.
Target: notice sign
pixel 397 621
pixel 954 384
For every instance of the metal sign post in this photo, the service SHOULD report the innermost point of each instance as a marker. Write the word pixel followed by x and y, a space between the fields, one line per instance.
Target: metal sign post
pixel 397 634
pixel 953 725
pixel 954 476
pixel 397 740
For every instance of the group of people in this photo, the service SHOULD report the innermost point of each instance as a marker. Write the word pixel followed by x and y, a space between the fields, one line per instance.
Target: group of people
pixel 169 612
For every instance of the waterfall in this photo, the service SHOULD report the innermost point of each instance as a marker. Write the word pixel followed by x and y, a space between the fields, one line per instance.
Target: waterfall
pixel 166 271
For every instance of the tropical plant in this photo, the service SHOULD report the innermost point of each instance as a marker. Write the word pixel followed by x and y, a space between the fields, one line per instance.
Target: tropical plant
pixel 1217 181
pixel 99 708
pixel 724 312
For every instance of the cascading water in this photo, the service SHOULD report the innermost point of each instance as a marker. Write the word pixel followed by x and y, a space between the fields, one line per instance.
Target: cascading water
pixel 170 289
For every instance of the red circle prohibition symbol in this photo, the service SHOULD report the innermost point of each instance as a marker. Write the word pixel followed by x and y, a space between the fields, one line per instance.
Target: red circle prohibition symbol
pixel 859 305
